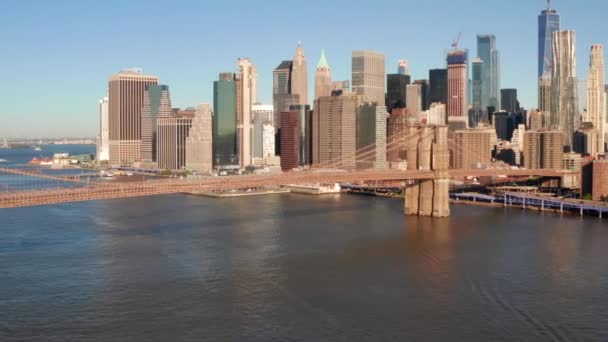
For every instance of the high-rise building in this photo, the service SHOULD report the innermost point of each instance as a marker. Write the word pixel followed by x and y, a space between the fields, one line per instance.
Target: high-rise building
pixel 414 102
pixel 403 67
pixel 477 70
pixel 299 75
pixel 505 123
pixel 548 23
pixel 536 120
pixel 396 90
pixel 157 103
pixel 290 140
pixel 171 141
pixel 600 179
pixel 473 147
pixel 564 107
pixel 281 90
pixel 544 99
pixel 490 85
pixel 581 101
pixel 334 128
pixel 304 133
pixel 262 115
pixel 246 91
pixel 199 145
pixel 437 114
pixel 425 93
pixel 371 136
pixel 368 75
pixel 596 96
pixel 322 77
pixel 224 122
pixel 397 127
pixel 125 104
pixel 508 100
pixel 585 140
pixel 103 138
pixel 544 149
pixel 340 85
pixel 457 89
pixel 438 79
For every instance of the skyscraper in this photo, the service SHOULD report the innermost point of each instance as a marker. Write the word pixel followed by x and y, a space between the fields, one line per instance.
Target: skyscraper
pixel 414 102
pixel 224 122
pixel 548 22
pixel 457 89
pixel 490 72
pixel 281 90
pixel 103 140
pixel 322 77
pixel 403 67
pixel 438 79
pixel 564 107
pixel 299 75
pixel 171 142
pixel 246 90
pixel 368 75
pixel 425 93
pixel 596 97
pixel 543 149
pixel 334 128
pixel 199 146
pixel 290 140
pixel 157 103
pixel 396 87
pixel 477 70
pixel 125 103
pixel 371 136
pixel 508 100
pixel 262 115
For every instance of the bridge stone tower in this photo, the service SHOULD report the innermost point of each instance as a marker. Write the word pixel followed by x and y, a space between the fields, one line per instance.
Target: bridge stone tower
pixel 427 150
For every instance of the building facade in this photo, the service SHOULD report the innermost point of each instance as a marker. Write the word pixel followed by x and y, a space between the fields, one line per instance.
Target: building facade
pixel 199 143
pixel 564 107
pixel 157 103
pixel 457 89
pixel 543 149
pixel 299 75
pixel 438 82
pixel 477 66
pixel 334 129
pixel 125 104
pixel 171 142
pixel 548 23
pixel 368 76
pixel 247 91
pixel 371 137
pixel 262 115
pixel 290 140
pixel 322 77
pixel 224 122
pixel 473 147
pixel 103 138
pixel 490 85
pixel 396 90
pixel 596 97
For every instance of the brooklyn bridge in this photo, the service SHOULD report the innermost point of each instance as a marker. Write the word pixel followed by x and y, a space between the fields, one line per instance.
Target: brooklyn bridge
pixel 425 178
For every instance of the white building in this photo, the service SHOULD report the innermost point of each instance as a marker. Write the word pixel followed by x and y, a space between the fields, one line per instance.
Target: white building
pixel 436 115
pixel 247 79
pixel 199 153
pixel 262 115
pixel 103 137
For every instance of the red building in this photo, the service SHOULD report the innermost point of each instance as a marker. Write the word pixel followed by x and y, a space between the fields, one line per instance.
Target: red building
pixel 290 140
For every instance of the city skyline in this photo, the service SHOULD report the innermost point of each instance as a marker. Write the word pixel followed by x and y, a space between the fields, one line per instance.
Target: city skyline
pixel 79 56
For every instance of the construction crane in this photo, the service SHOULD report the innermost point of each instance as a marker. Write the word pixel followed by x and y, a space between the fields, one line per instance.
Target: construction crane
pixel 455 42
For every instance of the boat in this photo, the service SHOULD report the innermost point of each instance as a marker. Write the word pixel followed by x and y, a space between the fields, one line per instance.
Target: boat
pixel 37 148
pixel 3 160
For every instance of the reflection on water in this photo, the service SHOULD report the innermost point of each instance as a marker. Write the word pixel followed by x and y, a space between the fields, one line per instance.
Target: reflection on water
pixel 291 267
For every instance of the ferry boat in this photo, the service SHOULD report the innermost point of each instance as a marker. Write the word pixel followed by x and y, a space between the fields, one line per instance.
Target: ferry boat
pixel 37 148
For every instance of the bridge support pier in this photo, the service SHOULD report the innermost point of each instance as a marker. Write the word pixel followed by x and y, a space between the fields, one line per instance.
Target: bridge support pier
pixel 428 197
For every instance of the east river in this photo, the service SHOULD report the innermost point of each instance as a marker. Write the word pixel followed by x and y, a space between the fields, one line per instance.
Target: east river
pixel 298 268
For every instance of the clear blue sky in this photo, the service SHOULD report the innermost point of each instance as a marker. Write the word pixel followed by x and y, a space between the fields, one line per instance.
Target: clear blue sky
pixel 56 55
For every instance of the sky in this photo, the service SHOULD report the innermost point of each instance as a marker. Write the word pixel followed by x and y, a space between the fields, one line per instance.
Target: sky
pixel 56 56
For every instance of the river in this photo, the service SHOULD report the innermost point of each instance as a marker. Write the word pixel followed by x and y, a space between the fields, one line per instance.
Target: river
pixel 298 268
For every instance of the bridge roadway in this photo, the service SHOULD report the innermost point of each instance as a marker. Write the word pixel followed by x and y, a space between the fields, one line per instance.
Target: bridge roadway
pixel 101 191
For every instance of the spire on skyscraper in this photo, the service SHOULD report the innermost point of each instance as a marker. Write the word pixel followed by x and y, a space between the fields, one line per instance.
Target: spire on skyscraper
pixel 323 61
